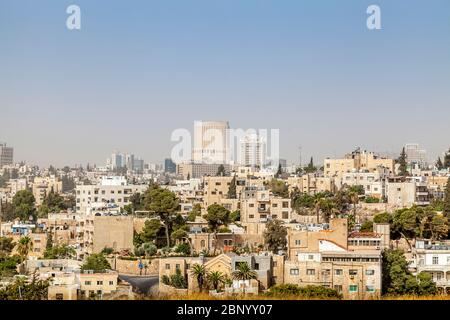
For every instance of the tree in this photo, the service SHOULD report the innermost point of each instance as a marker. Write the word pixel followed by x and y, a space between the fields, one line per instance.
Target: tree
pixel 6 211
pixel 60 252
pixel 310 168
pixel 438 227
pixel 68 184
pixel 278 188
pixel 447 160
pixel 402 161
pixel 235 216
pixel 195 212
pixel 244 272
pixel 23 204
pixel 384 217
pixel 24 246
pixel 216 278
pixel 279 171
pixel 439 164
pixel 164 203
pixel 150 231
pixel 199 272
pixel 96 262
pixel 221 171
pixel 367 226
pixel 275 236
pixel 232 189
pixel 21 290
pixel 397 279
pixel 447 199
pixel 146 249
pixel 6 246
pixel 217 216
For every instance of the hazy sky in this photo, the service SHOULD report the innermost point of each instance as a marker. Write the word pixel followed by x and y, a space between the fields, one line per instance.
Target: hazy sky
pixel 137 70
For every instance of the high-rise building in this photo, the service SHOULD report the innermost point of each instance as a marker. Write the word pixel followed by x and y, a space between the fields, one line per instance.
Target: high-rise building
pixel 415 155
pixel 211 142
pixel 169 166
pixel 6 155
pixel 253 151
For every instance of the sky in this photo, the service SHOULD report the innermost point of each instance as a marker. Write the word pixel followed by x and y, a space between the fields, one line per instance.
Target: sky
pixel 137 70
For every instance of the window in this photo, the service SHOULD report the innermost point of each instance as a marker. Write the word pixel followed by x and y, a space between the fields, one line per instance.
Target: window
pixel 256 266
pixel 294 272
pixel 167 266
pixel 353 288
pixel 310 257
pixel 88 283
pixel 59 296
pixel 338 272
pixel 285 204
pixel 310 272
pixel 370 272
pixel 99 283
pixel 298 242
pixel 274 205
pixel 111 283
pixel 435 260
pixel 274 264
pixel 285 215
pixel 338 287
pixel 202 243
pixel 251 205
pixel 353 272
pixel 177 266
pixel 370 288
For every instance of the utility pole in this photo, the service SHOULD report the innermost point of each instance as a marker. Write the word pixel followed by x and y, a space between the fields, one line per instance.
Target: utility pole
pixel 300 155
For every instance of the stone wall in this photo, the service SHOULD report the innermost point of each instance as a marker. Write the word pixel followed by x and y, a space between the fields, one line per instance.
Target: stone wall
pixel 132 266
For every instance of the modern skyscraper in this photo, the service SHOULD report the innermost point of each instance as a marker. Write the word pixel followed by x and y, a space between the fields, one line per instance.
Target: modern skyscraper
pixel 211 142
pixel 415 155
pixel 253 151
pixel 6 155
pixel 169 166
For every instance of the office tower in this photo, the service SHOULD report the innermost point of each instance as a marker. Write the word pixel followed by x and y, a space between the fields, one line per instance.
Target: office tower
pixel 169 166
pixel 415 155
pixel 211 142
pixel 6 155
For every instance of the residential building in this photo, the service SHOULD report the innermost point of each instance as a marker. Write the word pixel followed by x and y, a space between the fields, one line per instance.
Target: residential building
pixel 6 155
pixel 111 190
pixel 42 186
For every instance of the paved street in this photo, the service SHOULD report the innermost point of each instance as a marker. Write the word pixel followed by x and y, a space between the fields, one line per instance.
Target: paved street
pixel 143 284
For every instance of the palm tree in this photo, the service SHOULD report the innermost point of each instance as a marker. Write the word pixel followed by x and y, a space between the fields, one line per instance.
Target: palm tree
pixel 354 199
pixel 244 272
pixel 215 278
pixel 199 272
pixel 24 246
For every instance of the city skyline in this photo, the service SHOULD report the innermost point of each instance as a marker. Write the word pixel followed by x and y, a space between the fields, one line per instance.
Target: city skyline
pixel 133 74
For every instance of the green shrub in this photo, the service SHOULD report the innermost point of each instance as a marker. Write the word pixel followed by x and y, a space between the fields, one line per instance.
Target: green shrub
pixel 183 248
pixel 309 291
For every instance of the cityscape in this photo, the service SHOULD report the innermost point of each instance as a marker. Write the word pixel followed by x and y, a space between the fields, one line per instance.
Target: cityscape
pixel 134 230
pixel 224 158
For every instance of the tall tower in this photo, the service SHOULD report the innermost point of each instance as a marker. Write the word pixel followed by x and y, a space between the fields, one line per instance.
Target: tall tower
pixel 211 142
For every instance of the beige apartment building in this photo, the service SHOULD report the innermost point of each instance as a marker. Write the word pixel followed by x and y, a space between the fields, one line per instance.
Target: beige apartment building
pixel 355 161
pixel 100 230
pixel 312 184
pixel 259 205
pixel 325 258
pixel 403 193
pixel 199 170
pixel 42 187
